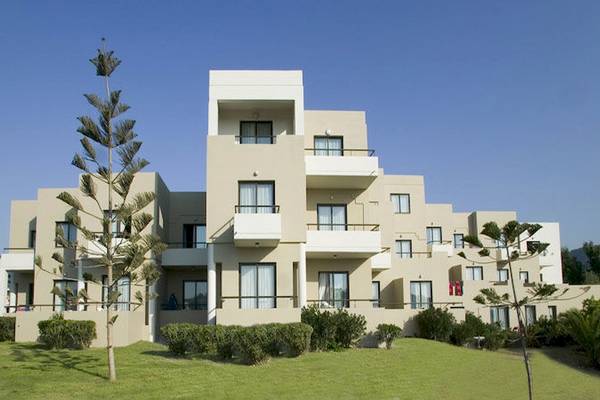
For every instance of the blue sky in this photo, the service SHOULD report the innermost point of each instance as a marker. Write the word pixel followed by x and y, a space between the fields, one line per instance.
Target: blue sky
pixel 497 104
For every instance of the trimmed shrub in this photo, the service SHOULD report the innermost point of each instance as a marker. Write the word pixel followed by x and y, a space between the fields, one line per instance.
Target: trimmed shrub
pixel 202 339
pixel 274 343
pixel 387 333
pixel 295 338
pixel 496 337
pixel 465 331
pixel 59 333
pixel 7 329
pixel 333 330
pixel 435 324
pixel 225 339
pixel 178 337
pixel 252 343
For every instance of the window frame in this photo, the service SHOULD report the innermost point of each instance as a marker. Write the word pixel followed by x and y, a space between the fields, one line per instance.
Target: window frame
pixel 401 253
pixel 331 225
pixel 68 236
pixel 66 306
pixel 462 242
pixel 553 311
pixel 400 203
pixel 257 297
pixel 256 136
pixel 256 205
pixel 520 276
pixel 504 270
pixel 332 300
pixel 418 305
pixel 530 307
pixel 427 228
pixel 376 301
pixel 328 150
pixel 104 294
pixel 195 244
pixel 498 309
pixel 472 268
pixel 197 306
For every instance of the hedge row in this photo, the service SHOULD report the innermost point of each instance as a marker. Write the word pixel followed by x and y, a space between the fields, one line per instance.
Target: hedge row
pixel 59 333
pixel 7 329
pixel 252 344
pixel 333 330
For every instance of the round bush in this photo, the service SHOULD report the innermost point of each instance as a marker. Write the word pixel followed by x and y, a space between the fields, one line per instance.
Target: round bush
pixel 435 324
pixel 387 333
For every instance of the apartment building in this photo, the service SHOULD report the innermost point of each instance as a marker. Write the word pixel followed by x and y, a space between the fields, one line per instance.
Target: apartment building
pixel 296 211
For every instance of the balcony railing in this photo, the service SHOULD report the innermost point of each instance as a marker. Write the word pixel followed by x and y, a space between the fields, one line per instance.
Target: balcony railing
pixel 377 303
pixel 187 245
pixel 340 152
pixel 263 139
pixel 257 298
pixel 342 227
pixel 268 209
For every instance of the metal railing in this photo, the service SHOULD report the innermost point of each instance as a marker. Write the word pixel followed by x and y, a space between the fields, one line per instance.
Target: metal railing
pixel 17 250
pixel 74 306
pixel 353 303
pixel 340 152
pixel 342 227
pixel 187 245
pixel 266 209
pixel 260 139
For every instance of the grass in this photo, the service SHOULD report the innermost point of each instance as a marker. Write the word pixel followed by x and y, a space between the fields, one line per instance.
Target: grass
pixel 413 369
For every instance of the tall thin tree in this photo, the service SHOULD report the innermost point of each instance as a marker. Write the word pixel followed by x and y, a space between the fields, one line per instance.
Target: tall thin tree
pixel 114 167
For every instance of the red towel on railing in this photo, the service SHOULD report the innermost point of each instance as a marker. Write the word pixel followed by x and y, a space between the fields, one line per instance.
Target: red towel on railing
pixel 458 288
pixel 450 288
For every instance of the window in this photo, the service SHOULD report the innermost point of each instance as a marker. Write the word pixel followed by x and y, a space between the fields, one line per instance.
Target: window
pixel 530 316
pixel 257 197
pixel 195 294
pixel 401 203
pixel 375 294
pixel 333 289
pixel 524 276
pixel 32 235
pixel 256 132
pixel 67 301
pixel 404 248
pixel 499 315
pixel 552 312
pixel 331 217
pixel 329 146
pixel 257 285
pixel 123 285
pixel 69 232
pixel 503 275
pixel 434 235
pixel 458 241
pixel 475 273
pixel 420 294
pixel 118 228
pixel 194 236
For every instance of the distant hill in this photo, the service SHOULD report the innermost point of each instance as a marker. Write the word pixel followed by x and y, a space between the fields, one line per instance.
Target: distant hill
pixel 579 254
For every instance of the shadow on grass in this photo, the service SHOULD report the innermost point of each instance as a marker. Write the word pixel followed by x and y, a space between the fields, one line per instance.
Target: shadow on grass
pixel 568 355
pixel 39 358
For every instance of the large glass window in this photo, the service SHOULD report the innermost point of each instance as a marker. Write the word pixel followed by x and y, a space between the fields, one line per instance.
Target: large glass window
pixel 530 316
pixel 123 285
pixel 329 146
pixel 404 248
pixel 67 301
pixel 69 232
pixel 257 286
pixel 256 132
pixel 475 273
pixel 333 289
pixel 458 241
pixel 502 275
pixel 194 236
pixel 257 198
pixel 401 203
pixel 552 312
pixel 375 289
pixel 195 295
pixel 434 235
pixel 524 276
pixel 420 294
pixel 499 315
pixel 331 217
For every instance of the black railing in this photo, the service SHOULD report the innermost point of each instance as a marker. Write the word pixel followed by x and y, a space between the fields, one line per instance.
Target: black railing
pixel 353 303
pixel 267 209
pixel 257 298
pixel 343 227
pixel 261 139
pixel 187 245
pixel 340 152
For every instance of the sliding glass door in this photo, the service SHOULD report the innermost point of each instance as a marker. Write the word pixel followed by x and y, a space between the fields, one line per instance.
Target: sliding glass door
pixel 331 217
pixel 256 132
pixel 257 286
pixel 420 294
pixel 257 198
pixel 333 289
pixel 328 146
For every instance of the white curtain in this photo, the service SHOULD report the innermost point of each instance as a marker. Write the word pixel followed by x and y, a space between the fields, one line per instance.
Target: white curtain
pixel 124 296
pixel 264 197
pixel 324 289
pixel 247 198
pixel 396 202
pixel 338 218
pixel 320 146
pixel 434 235
pixel 266 285
pixel 415 294
pixel 324 217
pixel 426 294
pixel 248 132
pixel 404 248
pixel 335 146
pixel 375 294
pixel 478 274
pixel 264 132
pixel 248 286
pixel 404 203
pixel 200 239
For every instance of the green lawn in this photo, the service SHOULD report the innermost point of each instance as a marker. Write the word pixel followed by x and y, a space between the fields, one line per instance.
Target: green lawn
pixel 414 369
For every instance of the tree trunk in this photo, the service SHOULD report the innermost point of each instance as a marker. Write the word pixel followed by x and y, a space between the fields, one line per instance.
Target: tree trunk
pixel 112 370
pixel 522 328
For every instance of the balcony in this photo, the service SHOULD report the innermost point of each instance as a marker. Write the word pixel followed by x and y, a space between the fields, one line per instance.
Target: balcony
pixel 180 255
pixel 256 226
pixel 381 261
pixel 343 241
pixel 342 169
pixel 17 259
pixel 445 248
pixel 96 249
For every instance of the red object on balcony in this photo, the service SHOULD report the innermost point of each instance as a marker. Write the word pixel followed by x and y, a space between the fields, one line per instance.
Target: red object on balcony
pixel 458 288
pixel 450 289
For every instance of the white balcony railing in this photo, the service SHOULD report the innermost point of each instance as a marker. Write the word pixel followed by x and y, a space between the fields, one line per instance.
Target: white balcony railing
pixel 354 169
pixel 257 229
pixel 17 259
pixel 445 248
pixel 355 241
pixel 381 261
